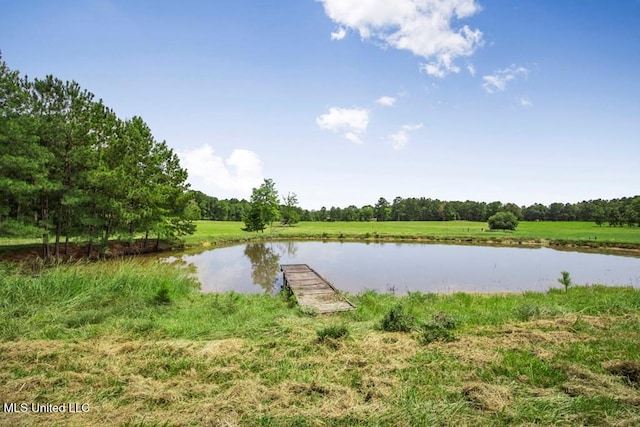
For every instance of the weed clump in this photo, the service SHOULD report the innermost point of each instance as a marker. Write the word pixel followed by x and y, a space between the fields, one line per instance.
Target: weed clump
pixel 162 296
pixel 434 332
pixel 439 329
pixel 527 312
pixel 334 332
pixel 444 319
pixel 397 320
pixel 288 296
pixel 226 303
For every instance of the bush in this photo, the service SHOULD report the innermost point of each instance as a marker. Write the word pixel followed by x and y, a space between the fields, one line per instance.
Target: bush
pixel 436 332
pixel 439 329
pixel 527 312
pixel 444 319
pixel 396 320
pixel 503 221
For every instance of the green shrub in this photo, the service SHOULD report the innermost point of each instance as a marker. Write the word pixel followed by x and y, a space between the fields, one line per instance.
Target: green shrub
pixel 503 221
pixel 444 319
pixel 436 332
pixel 396 320
pixel 527 312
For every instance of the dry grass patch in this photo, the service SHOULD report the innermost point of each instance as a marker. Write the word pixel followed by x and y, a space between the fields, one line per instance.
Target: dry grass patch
pixel 629 370
pixel 488 397
pixel 586 383
pixel 222 382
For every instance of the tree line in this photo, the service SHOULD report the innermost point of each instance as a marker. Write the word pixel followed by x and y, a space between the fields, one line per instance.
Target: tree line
pixel 615 212
pixel 70 167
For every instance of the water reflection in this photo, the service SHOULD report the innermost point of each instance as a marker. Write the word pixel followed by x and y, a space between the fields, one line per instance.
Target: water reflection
pixel 265 264
pixel 404 267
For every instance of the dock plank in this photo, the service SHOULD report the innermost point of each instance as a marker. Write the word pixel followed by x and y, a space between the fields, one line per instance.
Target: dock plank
pixel 312 290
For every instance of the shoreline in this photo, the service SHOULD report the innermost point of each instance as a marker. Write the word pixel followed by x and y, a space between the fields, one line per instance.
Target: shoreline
pixel 120 249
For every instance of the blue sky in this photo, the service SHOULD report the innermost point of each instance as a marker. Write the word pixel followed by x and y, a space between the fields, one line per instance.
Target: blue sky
pixel 346 101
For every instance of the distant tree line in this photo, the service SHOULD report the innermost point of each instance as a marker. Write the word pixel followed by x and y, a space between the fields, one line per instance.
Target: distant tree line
pixel 615 212
pixel 70 167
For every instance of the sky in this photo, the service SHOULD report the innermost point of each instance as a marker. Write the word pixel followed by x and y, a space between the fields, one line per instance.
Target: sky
pixel 345 101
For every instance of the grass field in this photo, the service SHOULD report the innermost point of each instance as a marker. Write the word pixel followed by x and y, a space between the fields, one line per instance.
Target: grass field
pixel 559 233
pixel 216 231
pixel 139 345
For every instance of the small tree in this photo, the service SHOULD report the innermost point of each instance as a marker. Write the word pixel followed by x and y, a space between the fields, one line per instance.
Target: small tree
pixel 289 211
pixel 253 221
pixel 263 207
pixel 565 280
pixel 503 221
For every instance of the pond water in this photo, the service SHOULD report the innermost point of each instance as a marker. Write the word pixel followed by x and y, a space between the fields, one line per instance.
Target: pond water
pixel 406 267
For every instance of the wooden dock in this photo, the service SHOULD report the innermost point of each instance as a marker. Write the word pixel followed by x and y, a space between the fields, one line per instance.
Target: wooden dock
pixel 311 290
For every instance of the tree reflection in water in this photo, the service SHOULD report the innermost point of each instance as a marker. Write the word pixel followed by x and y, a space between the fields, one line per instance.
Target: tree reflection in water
pixel 287 248
pixel 265 263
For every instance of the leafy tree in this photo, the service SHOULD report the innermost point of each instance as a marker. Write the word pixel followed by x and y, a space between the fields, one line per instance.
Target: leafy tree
pixel 289 212
pixel 382 209
pixel 503 221
pixel 614 216
pixel 599 216
pixel 514 209
pixel 263 208
pixel 366 213
pixel 23 172
pixel 69 166
pixel 398 209
pixel 493 208
pixel 192 211
pixel 350 213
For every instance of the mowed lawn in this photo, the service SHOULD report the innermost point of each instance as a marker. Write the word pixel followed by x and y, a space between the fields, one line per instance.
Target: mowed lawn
pixel 214 231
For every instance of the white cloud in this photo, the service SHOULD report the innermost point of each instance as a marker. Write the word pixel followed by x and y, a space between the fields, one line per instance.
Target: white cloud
pixel 400 139
pixel 472 69
pixel 215 176
pixel 386 101
pixel 497 82
pixel 525 102
pixel 423 27
pixel 339 35
pixel 351 122
pixel 353 137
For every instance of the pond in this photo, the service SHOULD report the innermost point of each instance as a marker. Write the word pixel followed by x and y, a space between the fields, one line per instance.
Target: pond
pixel 406 267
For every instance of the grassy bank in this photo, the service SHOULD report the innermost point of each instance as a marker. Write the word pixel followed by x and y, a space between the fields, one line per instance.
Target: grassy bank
pixel 559 233
pixel 137 343
pixel 556 234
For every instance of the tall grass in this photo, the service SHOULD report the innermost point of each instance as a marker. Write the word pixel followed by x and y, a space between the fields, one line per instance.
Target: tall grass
pixel 62 299
pixel 139 342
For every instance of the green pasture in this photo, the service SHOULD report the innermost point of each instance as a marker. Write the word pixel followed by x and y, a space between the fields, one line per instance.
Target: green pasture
pixel 216 231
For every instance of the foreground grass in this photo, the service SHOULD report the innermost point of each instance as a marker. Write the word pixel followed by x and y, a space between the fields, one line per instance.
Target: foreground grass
pixel 138 343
